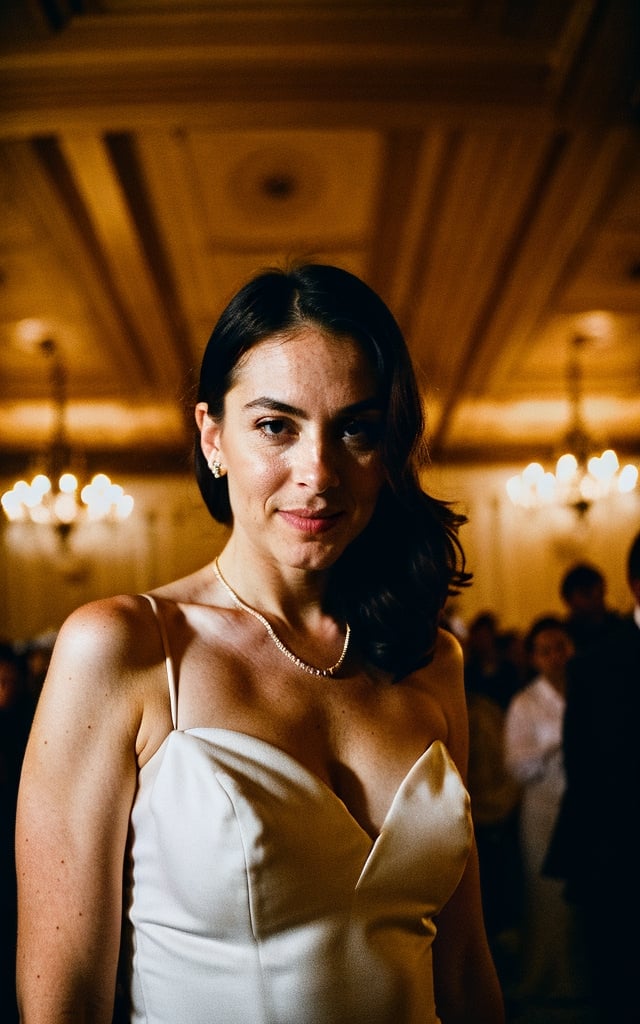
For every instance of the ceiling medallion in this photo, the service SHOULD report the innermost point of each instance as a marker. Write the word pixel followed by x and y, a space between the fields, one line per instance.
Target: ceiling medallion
pixel 274 182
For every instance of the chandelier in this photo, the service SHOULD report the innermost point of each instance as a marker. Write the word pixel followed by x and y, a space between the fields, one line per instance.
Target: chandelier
pixel 581 477
pixel 58 495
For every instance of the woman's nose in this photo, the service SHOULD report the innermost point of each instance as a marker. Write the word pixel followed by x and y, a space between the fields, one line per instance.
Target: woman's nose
pixel 317 465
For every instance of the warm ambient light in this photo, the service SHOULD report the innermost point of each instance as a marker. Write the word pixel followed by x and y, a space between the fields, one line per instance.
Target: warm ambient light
pixel 579 479
pixel 56 498
pixel 572 484
pixel 63 503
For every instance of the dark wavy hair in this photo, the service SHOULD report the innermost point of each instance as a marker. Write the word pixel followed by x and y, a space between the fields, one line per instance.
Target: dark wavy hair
pixel 392 581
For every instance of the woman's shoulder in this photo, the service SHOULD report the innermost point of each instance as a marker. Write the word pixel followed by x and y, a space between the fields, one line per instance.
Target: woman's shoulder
pixel 105 671
pixel 443 677
pixel 105 618
pixel 448 650
pixel 110 634
pixel 443 680
pixel 128 632
pixel 444 672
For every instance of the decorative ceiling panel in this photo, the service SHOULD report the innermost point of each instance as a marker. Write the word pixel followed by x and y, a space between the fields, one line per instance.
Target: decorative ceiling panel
pixel 478 164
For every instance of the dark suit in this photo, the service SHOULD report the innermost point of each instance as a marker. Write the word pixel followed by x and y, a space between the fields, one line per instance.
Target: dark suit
pixel 595 846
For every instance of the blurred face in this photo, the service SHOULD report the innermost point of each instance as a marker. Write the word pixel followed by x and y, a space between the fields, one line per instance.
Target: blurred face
pixel 588 602
pixel 552 649
pixel 299 442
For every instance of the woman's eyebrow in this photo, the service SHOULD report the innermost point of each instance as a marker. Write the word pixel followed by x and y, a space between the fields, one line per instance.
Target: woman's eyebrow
pixel 372 404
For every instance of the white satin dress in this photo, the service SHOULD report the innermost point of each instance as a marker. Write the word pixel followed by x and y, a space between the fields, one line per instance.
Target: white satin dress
pixel 256 898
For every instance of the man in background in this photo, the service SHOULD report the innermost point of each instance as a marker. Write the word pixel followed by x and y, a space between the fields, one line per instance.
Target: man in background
pixel 594 847
pixel 584 590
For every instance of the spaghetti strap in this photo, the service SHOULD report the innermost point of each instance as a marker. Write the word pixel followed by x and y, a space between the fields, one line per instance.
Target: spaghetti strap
pixel 171 676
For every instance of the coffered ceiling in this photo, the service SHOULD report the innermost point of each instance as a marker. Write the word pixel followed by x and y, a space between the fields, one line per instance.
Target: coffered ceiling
pixel 477 162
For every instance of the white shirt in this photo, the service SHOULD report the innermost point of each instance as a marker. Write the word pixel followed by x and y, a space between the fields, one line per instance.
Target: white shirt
pixel 533 730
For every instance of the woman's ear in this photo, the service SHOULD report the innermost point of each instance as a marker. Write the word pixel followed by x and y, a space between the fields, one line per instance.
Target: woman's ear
pixel 209 433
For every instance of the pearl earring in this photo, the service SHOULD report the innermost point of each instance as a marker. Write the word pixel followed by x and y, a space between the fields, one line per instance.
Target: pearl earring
pixel 214 466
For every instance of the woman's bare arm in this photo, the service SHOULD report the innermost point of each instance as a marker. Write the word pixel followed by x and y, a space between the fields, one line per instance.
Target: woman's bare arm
pixel 76 791
pixel 466 983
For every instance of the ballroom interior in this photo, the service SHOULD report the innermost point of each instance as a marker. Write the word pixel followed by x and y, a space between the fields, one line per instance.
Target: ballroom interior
pixel 477 163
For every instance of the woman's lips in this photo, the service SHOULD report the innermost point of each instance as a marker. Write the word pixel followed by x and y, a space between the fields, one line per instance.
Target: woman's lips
pixel 310 522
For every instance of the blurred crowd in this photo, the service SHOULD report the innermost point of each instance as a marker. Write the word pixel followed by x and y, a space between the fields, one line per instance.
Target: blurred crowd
pixel 553 817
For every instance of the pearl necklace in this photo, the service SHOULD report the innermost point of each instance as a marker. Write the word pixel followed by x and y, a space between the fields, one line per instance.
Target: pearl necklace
pixel 298 662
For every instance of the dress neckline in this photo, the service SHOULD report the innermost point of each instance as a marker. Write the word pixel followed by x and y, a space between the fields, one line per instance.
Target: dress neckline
pixel 293 768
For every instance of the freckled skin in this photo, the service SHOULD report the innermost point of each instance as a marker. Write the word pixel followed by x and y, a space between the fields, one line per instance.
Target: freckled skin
pixel 282 463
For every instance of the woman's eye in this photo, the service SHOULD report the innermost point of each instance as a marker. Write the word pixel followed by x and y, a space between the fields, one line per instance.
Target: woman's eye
pixel 365 432
pixel 273 428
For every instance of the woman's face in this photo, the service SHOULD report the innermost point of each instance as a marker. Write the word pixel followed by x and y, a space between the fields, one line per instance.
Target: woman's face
pixel 552 649
pixel 299 441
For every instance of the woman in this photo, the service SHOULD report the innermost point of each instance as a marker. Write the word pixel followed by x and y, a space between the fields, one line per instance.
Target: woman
pixel 260 765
